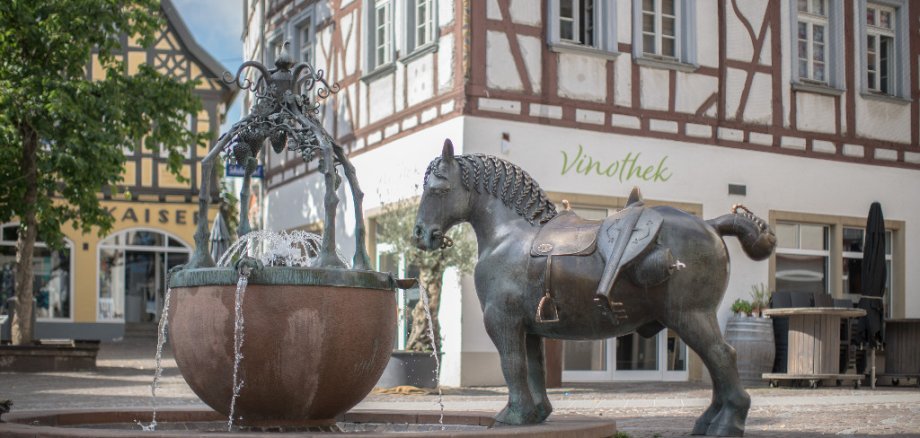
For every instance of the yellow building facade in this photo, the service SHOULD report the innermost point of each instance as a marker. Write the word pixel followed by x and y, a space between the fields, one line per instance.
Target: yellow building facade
pixel 97 286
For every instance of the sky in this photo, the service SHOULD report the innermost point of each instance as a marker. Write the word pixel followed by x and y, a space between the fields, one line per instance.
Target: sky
pixel 217 26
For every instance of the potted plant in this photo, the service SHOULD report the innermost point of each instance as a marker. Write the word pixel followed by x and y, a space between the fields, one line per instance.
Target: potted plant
pixel 416 366
pixel 752 337
pixel 741 307
pixel 760 299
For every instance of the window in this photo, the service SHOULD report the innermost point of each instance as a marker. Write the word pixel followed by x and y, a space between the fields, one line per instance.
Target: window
pixel 379 33
pixel 303 38
pixel 812 40
pixel 659 28
pixel 582 25
pixel 421 28
pixel 802 258
pixel 853 242
pixel 576 21
pixel 388 260
pixel 823 254
pixel 273 49
pixel 51 284
pixel 817 35
pixel 664 31
pixel 883 33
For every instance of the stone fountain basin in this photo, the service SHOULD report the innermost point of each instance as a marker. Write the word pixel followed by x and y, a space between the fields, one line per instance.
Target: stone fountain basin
pixel 315 340
pixel 100 423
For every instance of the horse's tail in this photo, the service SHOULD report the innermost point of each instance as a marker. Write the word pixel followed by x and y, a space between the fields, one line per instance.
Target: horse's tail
pixel 757 238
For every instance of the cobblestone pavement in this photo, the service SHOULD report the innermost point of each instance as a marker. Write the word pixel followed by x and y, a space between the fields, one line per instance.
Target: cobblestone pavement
pixel 640 409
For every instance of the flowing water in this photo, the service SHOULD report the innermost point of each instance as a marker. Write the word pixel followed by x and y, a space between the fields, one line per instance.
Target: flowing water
pixel 237 343
pixel 161 339
pixel 434 352
pixel 295 248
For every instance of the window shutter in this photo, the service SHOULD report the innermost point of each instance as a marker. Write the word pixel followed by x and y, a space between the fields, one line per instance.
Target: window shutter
pixel 902 47
pixel 368 29
pixel 605 26
pixel 408 43
pixel 637 28
pixel 552 21
pixel 837 73
pixel 688 31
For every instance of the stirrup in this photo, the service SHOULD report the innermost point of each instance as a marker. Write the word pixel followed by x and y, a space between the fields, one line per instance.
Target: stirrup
pixel 552 315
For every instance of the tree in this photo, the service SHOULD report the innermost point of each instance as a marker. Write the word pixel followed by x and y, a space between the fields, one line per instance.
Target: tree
pixel 62 136
pixel 395 227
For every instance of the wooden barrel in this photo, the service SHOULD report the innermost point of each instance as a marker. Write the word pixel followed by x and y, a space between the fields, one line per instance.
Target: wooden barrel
pixel 752 339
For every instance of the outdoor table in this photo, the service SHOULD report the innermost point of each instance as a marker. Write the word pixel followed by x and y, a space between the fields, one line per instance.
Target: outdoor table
pixel 814 343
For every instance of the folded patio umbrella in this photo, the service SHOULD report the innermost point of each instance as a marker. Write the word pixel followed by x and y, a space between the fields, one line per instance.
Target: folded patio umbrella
pixel 874 275
pixel 220 237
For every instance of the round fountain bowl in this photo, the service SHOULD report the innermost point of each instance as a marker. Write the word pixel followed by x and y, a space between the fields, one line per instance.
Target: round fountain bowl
pixel 315 340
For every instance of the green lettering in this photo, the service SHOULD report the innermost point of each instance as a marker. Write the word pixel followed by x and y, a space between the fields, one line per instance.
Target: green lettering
pixel 662 173
pixel 566 167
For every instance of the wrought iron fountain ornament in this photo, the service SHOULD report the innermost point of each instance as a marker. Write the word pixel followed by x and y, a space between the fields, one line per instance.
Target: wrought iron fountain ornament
pixel 547 273
pixel 284 113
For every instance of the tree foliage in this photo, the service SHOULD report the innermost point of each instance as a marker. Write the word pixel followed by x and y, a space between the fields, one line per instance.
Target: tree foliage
pixel 63 136
pixel 395 227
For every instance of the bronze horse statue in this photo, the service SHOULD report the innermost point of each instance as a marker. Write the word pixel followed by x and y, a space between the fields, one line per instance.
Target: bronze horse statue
pixel 513 221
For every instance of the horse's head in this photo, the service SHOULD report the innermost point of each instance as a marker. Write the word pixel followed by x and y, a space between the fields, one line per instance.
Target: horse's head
pixel 445 201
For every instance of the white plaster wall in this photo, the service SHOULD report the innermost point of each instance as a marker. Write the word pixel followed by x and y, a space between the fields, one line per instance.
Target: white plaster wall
pixel 759 108
pixel 532 52
pixel 351 54
pixel 526 12
pixel 883 120
pixel 786 48
pixel 445 63
pixel 380 98
pixel 738 42
pixel 420 74
pixel 701 173
pixel 815 112
pixel 622 77
pixel 399 91
pixel 654 89
pixel 445 12
pixel 501 72
pixel 692 90
pixel 582 77
pixel 707 27
pixel 493 12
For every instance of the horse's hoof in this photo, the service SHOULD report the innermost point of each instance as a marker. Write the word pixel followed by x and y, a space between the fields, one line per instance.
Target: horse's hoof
pixel 511 417
pixel 543 409
pixel 727 424
pixel 700 427
pixel 725 430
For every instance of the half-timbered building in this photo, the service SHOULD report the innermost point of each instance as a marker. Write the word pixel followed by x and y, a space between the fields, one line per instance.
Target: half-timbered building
pixel 97 286
pixel 804 111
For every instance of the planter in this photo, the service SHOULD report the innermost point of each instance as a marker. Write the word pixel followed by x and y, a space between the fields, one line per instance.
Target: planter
pixel 315 340
pixel 39 358
pixel 412 368
pixel 752 338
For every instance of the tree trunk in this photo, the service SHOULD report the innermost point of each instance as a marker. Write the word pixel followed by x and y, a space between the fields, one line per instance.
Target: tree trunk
pixel 22 330
pixel 419 338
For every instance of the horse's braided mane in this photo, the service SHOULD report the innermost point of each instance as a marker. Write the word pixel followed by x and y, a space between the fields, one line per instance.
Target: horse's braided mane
pixel 503 180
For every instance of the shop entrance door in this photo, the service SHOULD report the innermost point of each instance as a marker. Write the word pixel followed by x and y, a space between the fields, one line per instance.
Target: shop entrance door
pixel 146 276
pixel 133 273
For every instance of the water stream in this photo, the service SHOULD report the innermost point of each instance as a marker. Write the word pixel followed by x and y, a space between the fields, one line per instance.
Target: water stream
pixel 161 340
pixel 434 352
pixel 237 343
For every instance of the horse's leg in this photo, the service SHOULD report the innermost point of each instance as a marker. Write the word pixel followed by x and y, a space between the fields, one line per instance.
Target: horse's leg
pixel 508 335
pixel 327 255
pixel 536 375
pixel 728 411
pixel 361 259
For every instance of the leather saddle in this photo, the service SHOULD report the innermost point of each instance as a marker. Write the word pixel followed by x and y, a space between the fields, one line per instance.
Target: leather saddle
pixel 621 238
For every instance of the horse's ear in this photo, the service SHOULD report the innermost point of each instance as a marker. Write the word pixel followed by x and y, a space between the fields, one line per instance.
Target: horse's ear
pixel 447 153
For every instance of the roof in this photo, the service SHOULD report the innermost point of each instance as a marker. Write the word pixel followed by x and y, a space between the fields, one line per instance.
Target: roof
pixel 214 68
